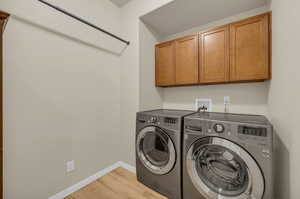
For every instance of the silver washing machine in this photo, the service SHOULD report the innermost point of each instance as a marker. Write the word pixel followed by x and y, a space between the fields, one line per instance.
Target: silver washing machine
pixel 227 156
pixel 158 150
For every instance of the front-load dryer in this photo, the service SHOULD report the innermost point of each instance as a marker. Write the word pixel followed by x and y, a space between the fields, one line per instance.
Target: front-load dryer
pixel 227 156
pixel 158 150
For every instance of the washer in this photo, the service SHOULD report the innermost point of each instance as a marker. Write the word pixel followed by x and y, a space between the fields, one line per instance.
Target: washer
pixel 227 156
pixel 158 150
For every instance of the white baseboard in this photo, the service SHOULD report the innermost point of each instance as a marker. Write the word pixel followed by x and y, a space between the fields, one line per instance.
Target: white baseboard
pixel 127 167
pixel 91 179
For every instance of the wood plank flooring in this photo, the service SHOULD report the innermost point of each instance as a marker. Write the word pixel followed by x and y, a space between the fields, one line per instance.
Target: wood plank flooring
pixel 118 184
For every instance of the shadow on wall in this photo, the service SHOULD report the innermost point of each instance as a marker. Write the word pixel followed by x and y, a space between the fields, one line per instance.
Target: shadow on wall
pixel 249 98
pixel 281 172
pixel 70 37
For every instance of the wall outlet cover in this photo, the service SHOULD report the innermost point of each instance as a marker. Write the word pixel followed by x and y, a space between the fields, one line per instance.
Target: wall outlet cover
pixel 204 102
pixel 226 100
pixel 70 166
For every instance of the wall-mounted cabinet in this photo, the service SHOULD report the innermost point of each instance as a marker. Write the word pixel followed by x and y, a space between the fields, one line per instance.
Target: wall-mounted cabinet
pixel 186 64
pixel 177 62
pixel 237 52
pixel 249 49
pixel 165 64
pixel 214 55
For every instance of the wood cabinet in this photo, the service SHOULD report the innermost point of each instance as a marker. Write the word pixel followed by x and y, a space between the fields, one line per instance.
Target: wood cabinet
pixel 214 55
pixel 165 64
pixel 3 20
pixel 236 52
pixel 177 62
pixel 249 49
pixel 186 70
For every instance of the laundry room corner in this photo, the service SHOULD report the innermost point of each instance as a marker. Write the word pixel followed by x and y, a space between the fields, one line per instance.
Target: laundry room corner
pixel 131 64
pixel 283 100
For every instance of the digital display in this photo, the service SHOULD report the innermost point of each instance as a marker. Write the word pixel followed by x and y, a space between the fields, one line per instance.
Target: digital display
pixel 170 120
pixel 253 131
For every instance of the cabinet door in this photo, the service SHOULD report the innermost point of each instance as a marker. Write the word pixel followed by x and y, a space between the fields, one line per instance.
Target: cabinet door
pixel 165 64
pixel 249 49
pixel 214 55
pixel 187 60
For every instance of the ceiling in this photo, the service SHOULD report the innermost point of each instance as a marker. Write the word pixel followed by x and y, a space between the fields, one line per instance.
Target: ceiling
pixel 181 15
pixel 120 3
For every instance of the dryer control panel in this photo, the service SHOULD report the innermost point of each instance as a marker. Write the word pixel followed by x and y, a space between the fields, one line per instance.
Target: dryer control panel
pixel 170 120
pixel 172 123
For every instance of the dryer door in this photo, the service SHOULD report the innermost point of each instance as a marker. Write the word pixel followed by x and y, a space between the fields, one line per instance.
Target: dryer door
pixel 155 150
pixel 221 169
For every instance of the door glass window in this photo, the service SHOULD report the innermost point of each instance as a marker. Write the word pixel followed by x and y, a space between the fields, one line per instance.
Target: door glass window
pixel 221 169
pixel 155 148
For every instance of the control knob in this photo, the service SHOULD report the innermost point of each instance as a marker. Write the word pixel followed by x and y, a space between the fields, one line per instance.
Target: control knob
pixel 219 128
pixel 153 120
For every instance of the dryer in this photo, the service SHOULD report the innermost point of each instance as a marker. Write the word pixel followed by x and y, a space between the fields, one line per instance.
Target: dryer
pixel 158 150
pixel 227 156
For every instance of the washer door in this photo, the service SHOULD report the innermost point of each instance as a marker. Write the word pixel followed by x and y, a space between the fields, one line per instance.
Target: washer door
pixel 155 150
pixel 220 169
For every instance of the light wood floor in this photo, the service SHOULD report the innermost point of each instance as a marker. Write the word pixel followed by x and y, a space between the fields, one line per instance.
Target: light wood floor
pixel 119 184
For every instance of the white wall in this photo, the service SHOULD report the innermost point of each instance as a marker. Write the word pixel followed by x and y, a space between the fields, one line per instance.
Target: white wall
pixel 250 98
pixel 284 97
pixel 150 96
pixel 62 98
pixel 100 12
pixel 220 22
pixel 245 98
pixel 130 67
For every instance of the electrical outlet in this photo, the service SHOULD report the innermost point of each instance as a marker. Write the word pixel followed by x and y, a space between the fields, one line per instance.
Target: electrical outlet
pixel 226 100
pixel 70 166
pixel 226 104
pixel 204 102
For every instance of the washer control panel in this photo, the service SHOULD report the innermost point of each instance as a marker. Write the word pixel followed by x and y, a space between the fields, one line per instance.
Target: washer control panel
pixel 252 131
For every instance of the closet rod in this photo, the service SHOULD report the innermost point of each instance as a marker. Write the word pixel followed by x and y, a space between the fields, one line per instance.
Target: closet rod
pixel 84 21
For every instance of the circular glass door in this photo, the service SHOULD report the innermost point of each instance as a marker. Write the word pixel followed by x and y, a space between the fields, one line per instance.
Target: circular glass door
pixel 219 168
pixel 155 150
